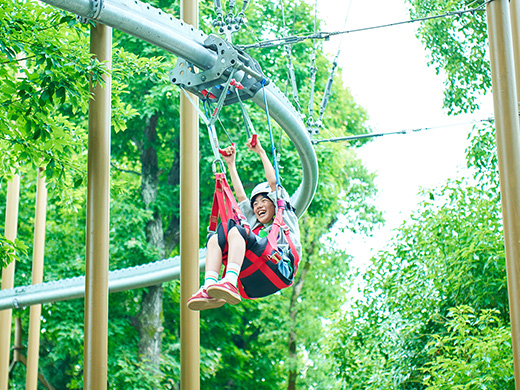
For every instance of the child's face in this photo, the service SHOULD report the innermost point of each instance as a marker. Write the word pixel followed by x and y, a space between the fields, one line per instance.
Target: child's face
pixel 263 209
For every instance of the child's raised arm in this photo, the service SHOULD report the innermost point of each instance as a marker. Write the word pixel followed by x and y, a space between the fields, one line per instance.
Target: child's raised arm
pixel 270 174
pixel 229 155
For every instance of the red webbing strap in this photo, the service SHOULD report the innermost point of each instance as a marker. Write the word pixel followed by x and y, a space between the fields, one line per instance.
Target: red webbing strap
pixel 241 290
pixel 236 213
pixel 293 249
pixel 257 261
pixel 278 222
pixel 281 204
pixel 272 238
pixel 224 203
pixel 219 205
pixel 289 241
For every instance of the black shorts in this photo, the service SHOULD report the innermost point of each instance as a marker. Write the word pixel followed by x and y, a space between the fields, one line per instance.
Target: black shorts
pixel 257 284
pixel 254 243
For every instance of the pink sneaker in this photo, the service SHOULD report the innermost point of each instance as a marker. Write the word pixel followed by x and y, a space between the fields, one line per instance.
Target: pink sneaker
pixel 226 291
pixel 202 301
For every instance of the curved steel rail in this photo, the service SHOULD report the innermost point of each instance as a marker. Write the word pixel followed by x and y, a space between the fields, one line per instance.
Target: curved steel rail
pixel 164 30
pixel 73 288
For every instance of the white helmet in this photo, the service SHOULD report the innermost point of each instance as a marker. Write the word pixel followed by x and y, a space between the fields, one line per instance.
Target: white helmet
pixel 262 188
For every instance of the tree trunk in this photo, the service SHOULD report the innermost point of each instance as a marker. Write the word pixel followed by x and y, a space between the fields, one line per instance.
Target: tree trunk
pixel 149 318
pixel 172 233
pixel 150 327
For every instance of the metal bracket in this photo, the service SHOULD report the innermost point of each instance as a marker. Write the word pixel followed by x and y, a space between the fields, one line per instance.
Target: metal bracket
pixel 186 75
pixel 208 83
pixel 97 7
pixel 232 25
pixel 313 127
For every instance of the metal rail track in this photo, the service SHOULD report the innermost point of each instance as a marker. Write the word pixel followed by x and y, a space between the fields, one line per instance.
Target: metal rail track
pixel 185 41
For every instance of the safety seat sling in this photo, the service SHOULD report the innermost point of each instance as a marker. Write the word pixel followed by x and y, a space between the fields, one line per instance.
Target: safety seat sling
pixel 260 274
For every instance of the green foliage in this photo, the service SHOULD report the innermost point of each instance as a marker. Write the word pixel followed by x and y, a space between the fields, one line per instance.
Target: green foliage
pixel 53 94
pixel 45 65
pixel 448 255
pixel 474 353
pixel 458 50
pixel 10 251
pixel 482 157
pixel 324 292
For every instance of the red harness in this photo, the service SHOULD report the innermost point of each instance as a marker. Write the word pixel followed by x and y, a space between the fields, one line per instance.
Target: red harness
pixel 224 203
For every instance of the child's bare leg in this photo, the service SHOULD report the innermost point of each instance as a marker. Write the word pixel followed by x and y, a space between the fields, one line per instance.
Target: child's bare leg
pixel 201 300
pixel 227 288
pixel 237 247
pixel 213 261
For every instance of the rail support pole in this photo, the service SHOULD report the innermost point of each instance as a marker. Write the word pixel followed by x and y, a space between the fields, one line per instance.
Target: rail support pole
pixel 98 202
pixel 189 249
pixel 31 381
pixel 11 227
pixel 515 29
pixel 505 103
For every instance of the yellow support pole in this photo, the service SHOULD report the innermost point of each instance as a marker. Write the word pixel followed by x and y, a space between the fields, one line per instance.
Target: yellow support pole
pixel 189 249
pixel 11 227
pixel 98 203
pixel 515 29
pixel 31 380
pixel 505 103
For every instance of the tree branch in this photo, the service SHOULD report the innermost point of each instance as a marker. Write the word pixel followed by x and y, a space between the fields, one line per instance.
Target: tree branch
pixel 17 60
pixel 125 170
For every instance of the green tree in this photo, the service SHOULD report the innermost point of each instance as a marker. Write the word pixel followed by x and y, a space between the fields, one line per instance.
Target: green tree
pixel 145 211
pixel 33 131
pixel 458 49
pixel 448 255
pixel 435 303
pixel 474 353
pixel 46 68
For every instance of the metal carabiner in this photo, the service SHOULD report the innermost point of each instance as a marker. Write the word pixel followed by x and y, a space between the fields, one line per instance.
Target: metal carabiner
pixel 214 165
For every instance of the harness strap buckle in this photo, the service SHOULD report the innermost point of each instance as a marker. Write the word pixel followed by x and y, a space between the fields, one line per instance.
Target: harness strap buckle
pixel 276 255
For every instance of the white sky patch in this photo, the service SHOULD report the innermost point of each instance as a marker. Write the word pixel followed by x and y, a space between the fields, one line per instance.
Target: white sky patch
pixel 386 71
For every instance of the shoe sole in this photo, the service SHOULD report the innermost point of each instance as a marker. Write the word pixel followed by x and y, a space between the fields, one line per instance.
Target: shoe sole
pixel 218 292
pixel 205 304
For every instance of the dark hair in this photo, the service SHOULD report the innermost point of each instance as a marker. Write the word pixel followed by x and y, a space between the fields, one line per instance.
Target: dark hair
pixel 264 194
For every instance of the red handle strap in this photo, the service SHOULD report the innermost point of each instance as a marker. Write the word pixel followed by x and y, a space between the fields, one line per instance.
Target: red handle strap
pixel 254 140
pixel 224 203
pixel 221 151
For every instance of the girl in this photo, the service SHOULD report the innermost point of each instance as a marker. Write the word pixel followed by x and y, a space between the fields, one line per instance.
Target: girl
pixel 259 211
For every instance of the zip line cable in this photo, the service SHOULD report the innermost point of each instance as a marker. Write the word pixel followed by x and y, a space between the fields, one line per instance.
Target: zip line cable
pixel 314 126
pixel 401 132
pixel 313 69
pixel 288 41
pixel 288 51
pixel 326 35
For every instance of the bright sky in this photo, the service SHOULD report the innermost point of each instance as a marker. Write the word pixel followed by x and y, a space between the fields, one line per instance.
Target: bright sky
pixel 387 73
